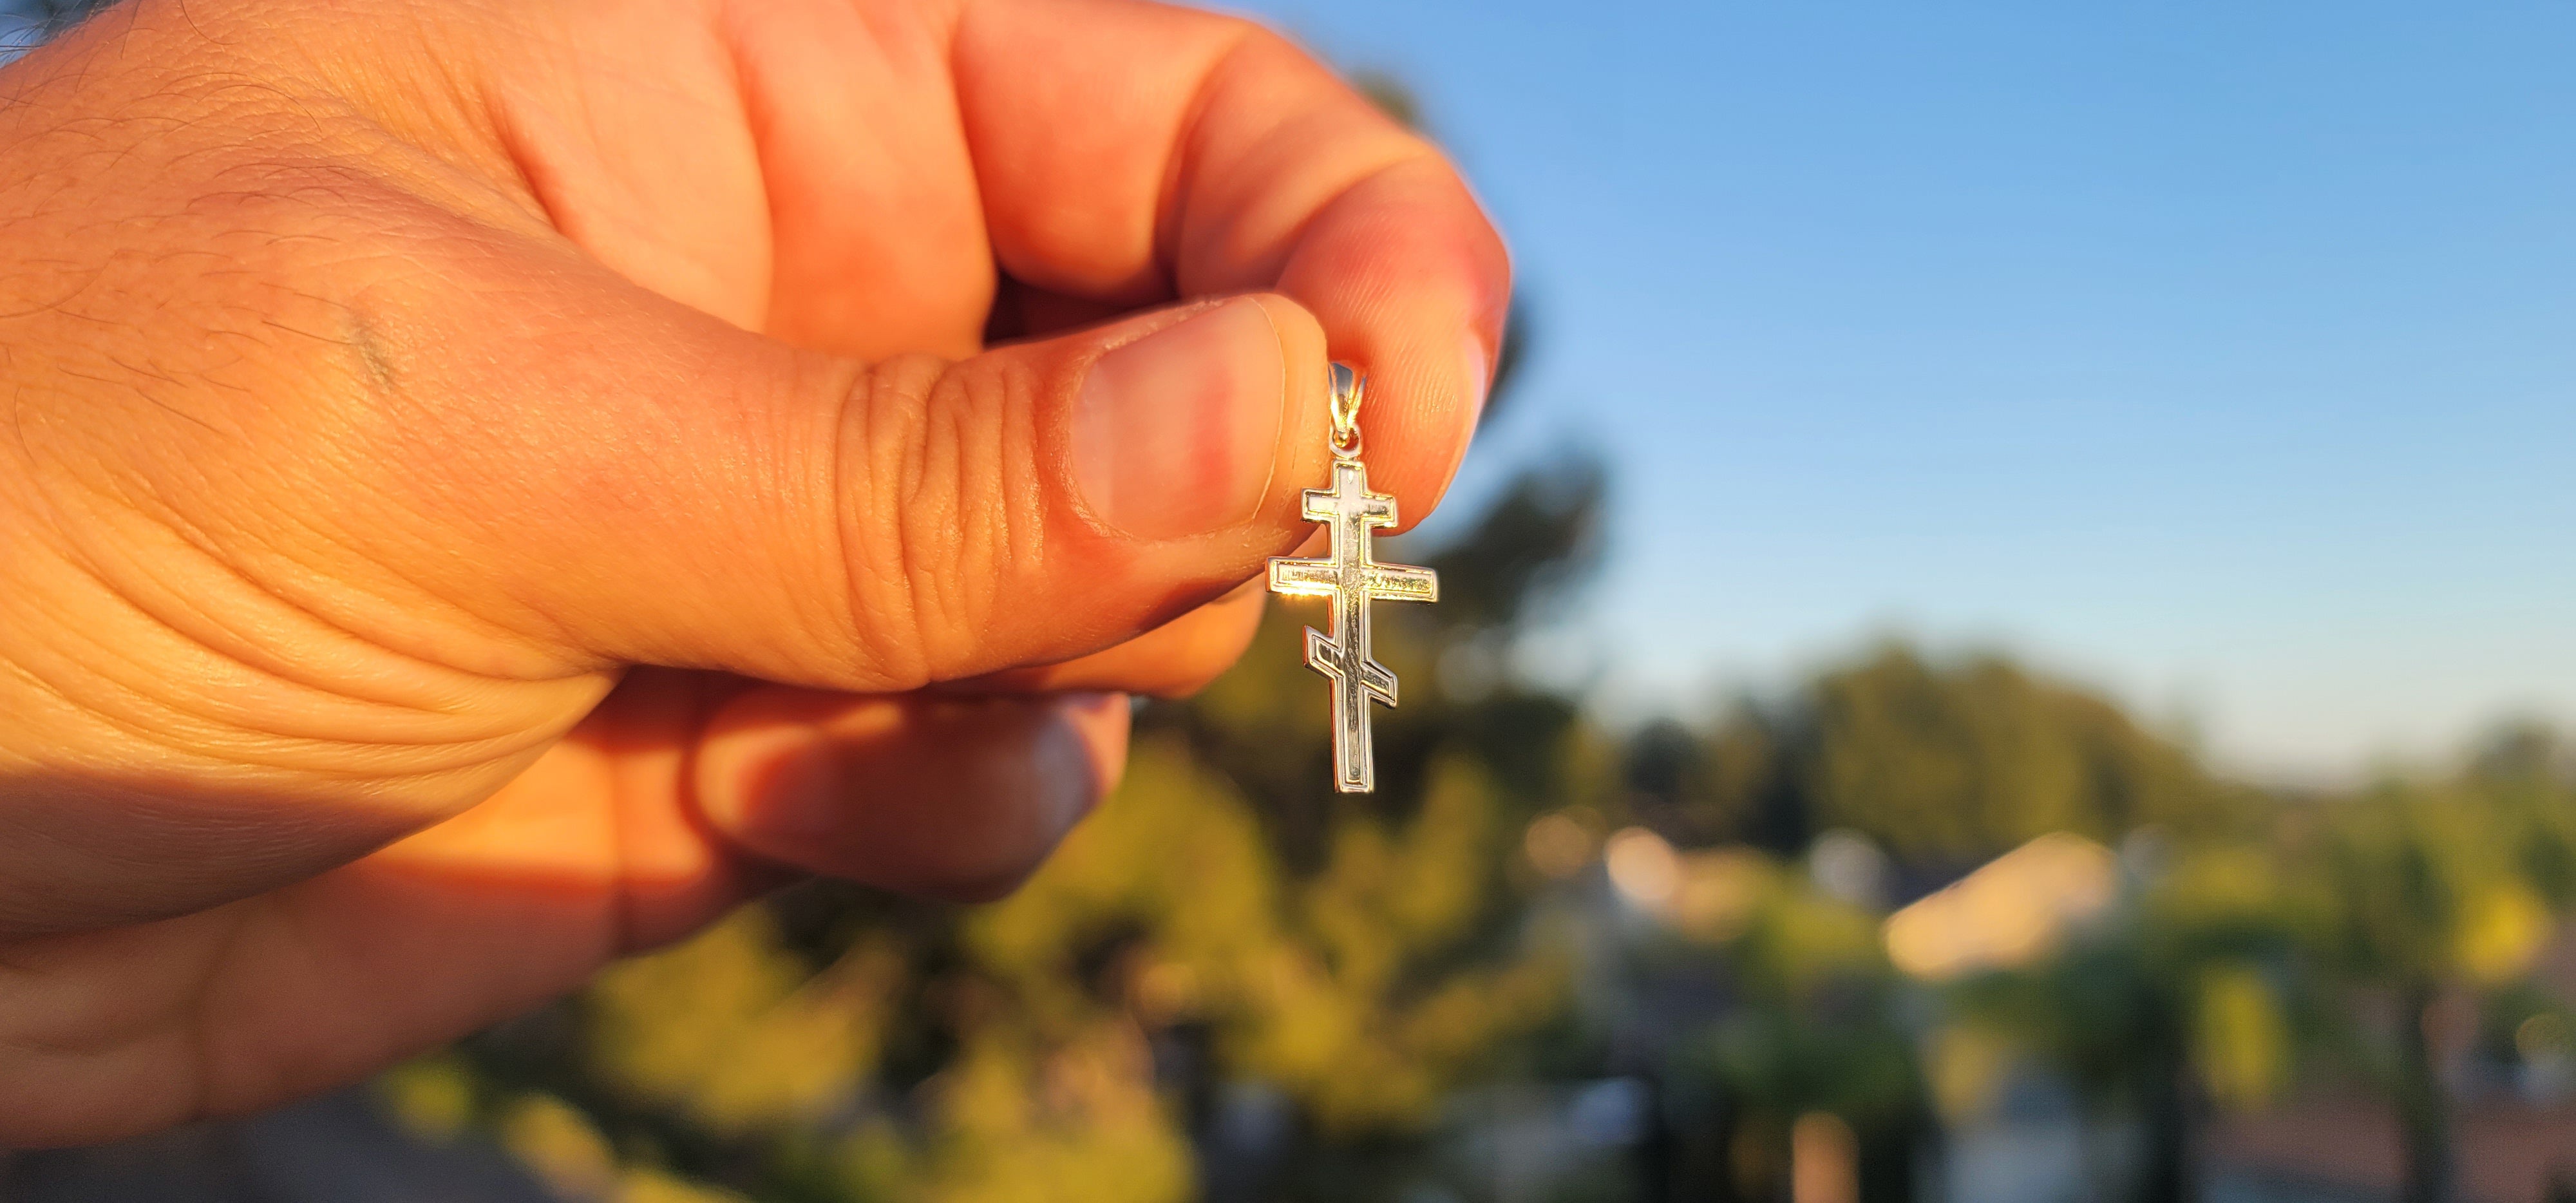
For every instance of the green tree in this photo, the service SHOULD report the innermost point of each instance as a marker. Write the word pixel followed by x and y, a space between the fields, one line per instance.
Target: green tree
pixel 1943 763
pixel 2179 997
pixel 2330 932
pixel 1817 1027
pixel 2415 892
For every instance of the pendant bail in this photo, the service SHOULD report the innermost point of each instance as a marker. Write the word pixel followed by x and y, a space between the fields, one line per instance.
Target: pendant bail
pixel 1349 389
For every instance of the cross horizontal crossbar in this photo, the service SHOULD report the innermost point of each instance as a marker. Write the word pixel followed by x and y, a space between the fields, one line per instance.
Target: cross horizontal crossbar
pixel 1383 582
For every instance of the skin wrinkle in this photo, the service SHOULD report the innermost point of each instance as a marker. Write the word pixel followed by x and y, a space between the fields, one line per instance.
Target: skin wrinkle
pixel 536 176
pixel 854 388
pixel 217 727
pixel 209 740
pixel 87 702
pixel 944 541
pixel 212 720
pixel 377 377
pixel 990 531
pixel 22 675
pixel 170 519
pixel 179 726
pixel 1024 495
pixel 882 410
pixel 396 657
pixel 927 538
pixel 564 663
pixel 144 735
pixel 827 608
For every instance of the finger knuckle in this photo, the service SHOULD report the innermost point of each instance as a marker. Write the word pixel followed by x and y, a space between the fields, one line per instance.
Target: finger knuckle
pixel 942 511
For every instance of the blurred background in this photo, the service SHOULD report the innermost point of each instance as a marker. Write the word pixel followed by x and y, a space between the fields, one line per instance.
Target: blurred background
pixel 2007 638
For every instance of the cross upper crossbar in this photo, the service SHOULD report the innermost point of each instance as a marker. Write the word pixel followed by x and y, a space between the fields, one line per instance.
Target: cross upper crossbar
pixel 1352 580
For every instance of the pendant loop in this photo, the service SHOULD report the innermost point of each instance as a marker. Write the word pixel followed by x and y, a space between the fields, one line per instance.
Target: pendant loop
pixel 1349 389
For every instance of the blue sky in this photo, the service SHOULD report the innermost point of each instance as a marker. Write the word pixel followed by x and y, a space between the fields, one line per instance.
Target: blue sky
pixel 2221 355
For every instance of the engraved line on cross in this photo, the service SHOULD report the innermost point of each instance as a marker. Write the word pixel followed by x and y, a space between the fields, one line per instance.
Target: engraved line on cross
pixel 1351 579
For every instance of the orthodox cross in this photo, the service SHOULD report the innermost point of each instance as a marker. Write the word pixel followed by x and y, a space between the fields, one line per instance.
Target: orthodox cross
pixel 1352 580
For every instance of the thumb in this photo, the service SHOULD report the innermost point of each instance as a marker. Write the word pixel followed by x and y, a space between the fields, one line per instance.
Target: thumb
pixel 678 492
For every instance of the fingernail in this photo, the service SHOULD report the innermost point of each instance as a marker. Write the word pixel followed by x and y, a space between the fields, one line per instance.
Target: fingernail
pixel 1174 433
pixel 1479 372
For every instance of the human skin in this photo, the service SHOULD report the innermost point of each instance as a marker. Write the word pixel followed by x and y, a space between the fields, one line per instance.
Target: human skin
pixel 486 487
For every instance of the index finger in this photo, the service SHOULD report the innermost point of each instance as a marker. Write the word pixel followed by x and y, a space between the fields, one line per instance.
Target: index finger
pixel 1130 151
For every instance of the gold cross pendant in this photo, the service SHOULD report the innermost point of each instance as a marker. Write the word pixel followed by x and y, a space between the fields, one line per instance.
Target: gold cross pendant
pixel 1352 579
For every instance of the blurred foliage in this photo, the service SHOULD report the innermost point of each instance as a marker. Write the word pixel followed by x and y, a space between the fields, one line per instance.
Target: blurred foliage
pixel 2324 939
pixel 1232 983
pixel 1942 764
pixel 1816 1029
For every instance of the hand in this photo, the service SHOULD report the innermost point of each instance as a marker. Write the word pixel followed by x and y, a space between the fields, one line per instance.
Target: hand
pixel 388 382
